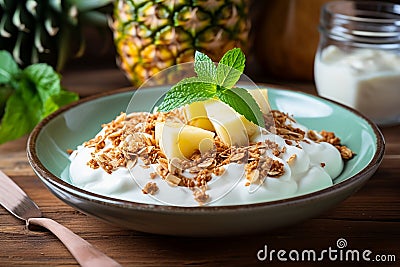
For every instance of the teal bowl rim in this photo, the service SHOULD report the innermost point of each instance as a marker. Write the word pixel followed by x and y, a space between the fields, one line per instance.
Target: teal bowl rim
pixel 50 179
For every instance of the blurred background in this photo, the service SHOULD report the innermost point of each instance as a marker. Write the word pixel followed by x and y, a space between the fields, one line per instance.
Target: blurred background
pixel 280 46
pixel 283 41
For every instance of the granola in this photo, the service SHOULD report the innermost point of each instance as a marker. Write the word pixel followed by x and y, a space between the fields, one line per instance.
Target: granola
pixel 150 188
pixel 130 138
pixel 330 137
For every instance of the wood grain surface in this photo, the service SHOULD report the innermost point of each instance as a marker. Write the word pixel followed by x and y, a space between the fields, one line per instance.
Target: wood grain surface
pixel 370 219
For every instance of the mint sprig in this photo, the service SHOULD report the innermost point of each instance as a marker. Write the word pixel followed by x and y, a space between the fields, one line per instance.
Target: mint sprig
pixel 27 96
pixel 215 82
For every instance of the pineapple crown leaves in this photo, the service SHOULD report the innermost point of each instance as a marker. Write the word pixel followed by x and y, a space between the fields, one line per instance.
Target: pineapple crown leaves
pixel 50 25
pixel 215 82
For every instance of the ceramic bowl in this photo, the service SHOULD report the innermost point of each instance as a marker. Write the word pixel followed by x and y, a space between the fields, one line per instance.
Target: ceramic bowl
pixel 73 124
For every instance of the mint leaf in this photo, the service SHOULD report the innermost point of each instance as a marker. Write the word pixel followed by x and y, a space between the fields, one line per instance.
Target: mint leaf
pixel 8 67
pixel 48 86
pixel 204 67
pixel 243 103
pixel 187 92
pixel 21 114
pixel 29 97
pixel 230 68
pixel 64 97
pixel 56 101
pixel 45 78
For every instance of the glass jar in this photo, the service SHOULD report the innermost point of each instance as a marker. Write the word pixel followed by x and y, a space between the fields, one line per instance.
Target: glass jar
pixel 358 57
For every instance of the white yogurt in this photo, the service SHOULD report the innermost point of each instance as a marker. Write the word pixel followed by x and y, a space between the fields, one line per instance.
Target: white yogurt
pixel 302 176
pixel 365 79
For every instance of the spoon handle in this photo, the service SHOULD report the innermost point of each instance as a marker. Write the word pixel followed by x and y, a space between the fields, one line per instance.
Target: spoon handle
pixel 85 254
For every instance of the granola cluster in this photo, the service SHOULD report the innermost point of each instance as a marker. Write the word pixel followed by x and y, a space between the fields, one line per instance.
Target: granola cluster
pixel 128 138
pixel 329 137
pixel 108 156
pixel 283 126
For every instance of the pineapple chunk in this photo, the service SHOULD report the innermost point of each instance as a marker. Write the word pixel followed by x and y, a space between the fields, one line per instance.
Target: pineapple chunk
pixel 178 140
pixel 251 128
pixel 227 123
pixel 261 97
pixel 196 115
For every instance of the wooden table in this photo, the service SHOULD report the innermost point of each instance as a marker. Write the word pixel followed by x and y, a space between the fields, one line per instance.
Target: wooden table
pixel 368 220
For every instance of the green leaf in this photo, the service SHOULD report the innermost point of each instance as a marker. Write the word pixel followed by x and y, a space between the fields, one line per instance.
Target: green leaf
pixel 204 67
pixel 8 67
pixel 243 103
pixel 45 79
pixel 48 87
pixel 37 92
pixel 20 115
pixel 185 92
pixel 64 97
pixel 54 102
pixel 230 68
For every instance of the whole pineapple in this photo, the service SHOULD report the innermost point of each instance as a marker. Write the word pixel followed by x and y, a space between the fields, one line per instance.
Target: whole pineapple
pixel 155 34
pixel 47 30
